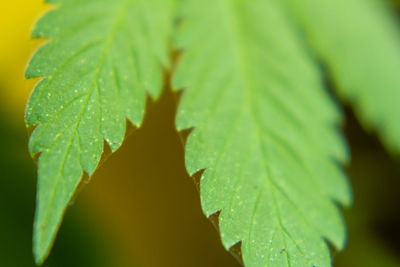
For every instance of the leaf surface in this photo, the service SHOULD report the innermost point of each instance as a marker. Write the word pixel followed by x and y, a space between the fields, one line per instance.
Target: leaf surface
pixel 101 59
pixel 265 131
pixel 359 41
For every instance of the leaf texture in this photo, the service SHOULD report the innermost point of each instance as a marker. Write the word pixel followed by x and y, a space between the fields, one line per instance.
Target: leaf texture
pixel 265 131
pixel 359 42
pixel 102 57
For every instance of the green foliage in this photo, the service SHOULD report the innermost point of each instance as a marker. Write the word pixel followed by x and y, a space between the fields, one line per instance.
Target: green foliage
pixel 265 131
pixel 359 41
pixel 102 59
pixel 77 245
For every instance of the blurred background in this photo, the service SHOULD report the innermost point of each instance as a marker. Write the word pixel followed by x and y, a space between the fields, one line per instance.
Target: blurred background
pixel 141 208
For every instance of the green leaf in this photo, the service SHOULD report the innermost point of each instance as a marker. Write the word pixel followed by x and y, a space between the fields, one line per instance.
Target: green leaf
pixel 265 131
pixel 102 58
pixel 359 41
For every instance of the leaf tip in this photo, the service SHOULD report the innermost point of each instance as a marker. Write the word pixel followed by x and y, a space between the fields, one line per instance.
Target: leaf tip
pixel 40 251
pixel 38 260
pixel 43 240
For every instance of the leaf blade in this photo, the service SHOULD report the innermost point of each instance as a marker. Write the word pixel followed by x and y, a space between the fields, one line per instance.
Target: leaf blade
pixel 361 51
pixel 251 141
pixel 91 85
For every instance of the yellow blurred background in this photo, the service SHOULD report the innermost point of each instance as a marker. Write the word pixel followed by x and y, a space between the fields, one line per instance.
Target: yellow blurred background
pixel 141 208
pixel 16 20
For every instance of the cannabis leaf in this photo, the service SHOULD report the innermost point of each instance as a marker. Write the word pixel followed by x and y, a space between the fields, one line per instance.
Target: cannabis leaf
pixel 102 58
pixel 359 41
pixel 264 131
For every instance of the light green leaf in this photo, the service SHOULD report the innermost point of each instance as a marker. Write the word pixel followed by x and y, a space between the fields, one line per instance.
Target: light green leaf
pixel 359 41
pixel 265 131
pixel 102 58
